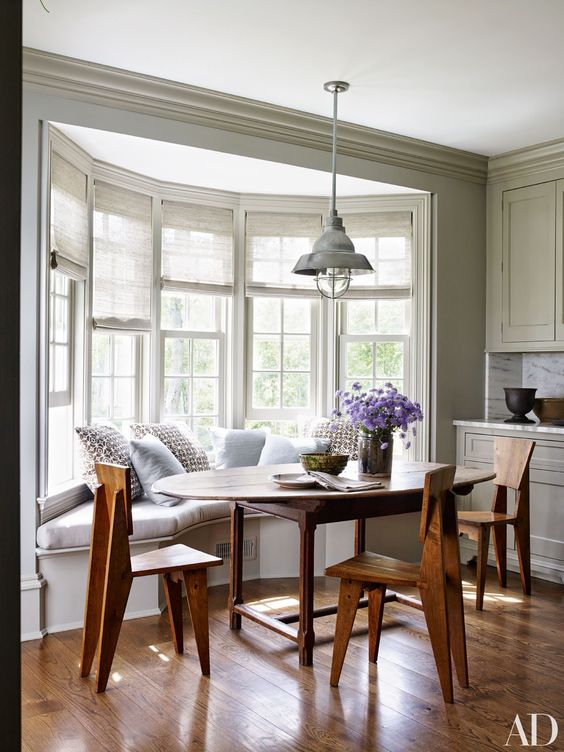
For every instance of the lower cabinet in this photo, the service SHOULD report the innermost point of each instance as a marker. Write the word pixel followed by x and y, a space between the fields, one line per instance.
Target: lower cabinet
pixel 475 449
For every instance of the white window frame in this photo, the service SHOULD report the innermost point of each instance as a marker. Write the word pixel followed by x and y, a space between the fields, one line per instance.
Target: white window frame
pixel 191 334
pixel 62 397
pixel 282 414
pixel 374 339
pixel 139 341
pixel 418 374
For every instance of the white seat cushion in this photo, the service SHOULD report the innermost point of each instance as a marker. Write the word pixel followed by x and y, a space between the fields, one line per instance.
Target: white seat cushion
pixel 72 529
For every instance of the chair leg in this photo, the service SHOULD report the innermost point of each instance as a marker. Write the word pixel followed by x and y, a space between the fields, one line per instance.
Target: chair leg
pixel 500 545
pixel 523 538
pixel 435 610
pixel 196 582
pixel 375 614
pixel 483 543
pixel 349 594
pixel 115 601
pixel 173 592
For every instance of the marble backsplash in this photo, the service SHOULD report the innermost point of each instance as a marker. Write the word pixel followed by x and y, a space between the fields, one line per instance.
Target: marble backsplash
pixel 545 371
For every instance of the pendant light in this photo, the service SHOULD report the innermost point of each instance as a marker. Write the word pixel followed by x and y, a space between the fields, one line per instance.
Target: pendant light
pixel 333 259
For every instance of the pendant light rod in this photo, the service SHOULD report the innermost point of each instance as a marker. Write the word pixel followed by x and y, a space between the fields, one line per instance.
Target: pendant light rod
pixel 335 88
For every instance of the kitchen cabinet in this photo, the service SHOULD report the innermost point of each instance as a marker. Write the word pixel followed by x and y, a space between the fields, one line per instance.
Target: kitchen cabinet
pixel 525 267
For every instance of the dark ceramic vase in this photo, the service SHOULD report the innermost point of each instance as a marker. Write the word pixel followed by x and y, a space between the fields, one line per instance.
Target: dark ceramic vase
pixel 372 459
pixel 519 401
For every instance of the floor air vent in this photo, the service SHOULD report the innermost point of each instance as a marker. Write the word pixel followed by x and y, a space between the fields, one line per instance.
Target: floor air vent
pixel 223 549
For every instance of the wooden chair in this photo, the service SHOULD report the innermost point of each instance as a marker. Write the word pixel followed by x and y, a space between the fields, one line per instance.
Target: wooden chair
pixel 111 573
pixel 372 573
pixel 512 458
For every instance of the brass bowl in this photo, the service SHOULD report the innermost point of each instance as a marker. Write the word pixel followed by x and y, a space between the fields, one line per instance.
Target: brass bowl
pixel 549 408
pixel 324 462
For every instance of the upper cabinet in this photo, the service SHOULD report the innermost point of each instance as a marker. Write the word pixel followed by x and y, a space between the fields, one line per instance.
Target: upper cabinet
pixel 525 269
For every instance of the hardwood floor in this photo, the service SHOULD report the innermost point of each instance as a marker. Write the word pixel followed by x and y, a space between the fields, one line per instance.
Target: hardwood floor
pixel 258 698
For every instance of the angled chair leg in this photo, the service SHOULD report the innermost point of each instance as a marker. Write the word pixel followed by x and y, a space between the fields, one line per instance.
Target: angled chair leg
pixel 96 582
pixel 173 592
pixel 500 545
pixel 435 610
pixel 483 543
pixel 115 601
pixel 523 539
pixel 375 615
pixel 116 591
pixel 196 582
pixel 349 594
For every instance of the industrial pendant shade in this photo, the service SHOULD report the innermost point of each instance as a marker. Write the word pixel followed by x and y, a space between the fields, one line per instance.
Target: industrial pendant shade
pixel 333 259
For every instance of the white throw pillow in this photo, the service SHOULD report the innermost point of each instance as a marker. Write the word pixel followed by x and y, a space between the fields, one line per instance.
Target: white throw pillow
pixel 280 450
pixel 236 447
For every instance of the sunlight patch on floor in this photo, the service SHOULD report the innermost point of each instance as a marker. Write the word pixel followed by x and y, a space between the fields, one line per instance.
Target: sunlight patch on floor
pixel 274 604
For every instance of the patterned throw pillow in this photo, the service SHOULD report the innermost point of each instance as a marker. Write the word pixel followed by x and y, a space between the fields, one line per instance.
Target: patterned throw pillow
pixel 181 442
pixel 344 438
pixel 104 444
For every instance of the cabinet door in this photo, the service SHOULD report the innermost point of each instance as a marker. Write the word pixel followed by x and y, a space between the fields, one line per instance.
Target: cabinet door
pixel 560 260
pixel 529 243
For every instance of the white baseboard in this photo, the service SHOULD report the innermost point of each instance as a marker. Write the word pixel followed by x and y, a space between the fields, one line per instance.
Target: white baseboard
pixel 543 568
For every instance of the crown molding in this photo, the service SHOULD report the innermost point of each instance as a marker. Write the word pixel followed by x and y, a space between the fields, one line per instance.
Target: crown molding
pixel 522 163
pixel 100 84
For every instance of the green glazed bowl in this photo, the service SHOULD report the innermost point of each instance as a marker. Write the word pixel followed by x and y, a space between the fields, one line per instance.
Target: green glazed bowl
pixel 323 462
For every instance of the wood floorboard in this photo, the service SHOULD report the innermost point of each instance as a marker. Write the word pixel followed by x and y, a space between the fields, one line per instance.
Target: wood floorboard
pixel 258 698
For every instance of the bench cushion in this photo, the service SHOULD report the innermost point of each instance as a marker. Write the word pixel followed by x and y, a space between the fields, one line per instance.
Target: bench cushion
pixel 72 529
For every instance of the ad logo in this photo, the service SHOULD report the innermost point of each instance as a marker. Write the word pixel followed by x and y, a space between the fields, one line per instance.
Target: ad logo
pixel 518 730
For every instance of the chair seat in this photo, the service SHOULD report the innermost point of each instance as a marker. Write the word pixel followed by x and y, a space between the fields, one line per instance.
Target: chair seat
pixel 178 558
pixel 370 567
pixel 485 518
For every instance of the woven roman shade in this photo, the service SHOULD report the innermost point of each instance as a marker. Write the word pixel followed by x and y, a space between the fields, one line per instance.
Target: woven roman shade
pixel 123 258
pixel 274 242
pixel 69 218
pixel 385 238
pixel 197 247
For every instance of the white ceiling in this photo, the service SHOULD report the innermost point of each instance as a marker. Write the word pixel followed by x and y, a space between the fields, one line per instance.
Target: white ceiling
pixel 210 169
pixel 484 75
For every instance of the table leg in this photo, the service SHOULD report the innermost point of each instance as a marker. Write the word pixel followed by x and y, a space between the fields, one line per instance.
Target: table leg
pixel 306 635
pixel 455 601
pixel 236 564
pixel 359 536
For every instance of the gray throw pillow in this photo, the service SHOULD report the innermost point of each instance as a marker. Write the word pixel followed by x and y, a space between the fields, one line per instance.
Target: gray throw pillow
pixel 152 461
pixel 279 450
pixel 235 447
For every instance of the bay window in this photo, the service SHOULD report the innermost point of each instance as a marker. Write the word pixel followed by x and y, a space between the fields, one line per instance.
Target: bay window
pixel 194 315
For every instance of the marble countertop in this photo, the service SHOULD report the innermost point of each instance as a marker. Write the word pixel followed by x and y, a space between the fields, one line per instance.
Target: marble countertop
pixel 496 423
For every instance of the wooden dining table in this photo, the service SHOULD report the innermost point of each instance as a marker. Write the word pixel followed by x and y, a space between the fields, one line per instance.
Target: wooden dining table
pixel 250 488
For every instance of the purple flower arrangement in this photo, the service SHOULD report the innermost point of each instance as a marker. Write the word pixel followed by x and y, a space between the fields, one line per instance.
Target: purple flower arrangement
pixel 380 411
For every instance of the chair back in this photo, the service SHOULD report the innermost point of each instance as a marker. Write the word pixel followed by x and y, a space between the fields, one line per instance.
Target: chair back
pixel 116 479
pixel 437 484
pixel 511 461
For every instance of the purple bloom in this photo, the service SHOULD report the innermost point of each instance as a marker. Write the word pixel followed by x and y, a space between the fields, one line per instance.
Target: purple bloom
pixel 379 411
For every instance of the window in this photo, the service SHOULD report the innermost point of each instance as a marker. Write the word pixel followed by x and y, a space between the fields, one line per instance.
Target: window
pixel 115 379
pixel 282 359
pixel 61 454
pixel 121 306
pixel 193 347
pixel 60 340
pixel 375 332
pixel 375 343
